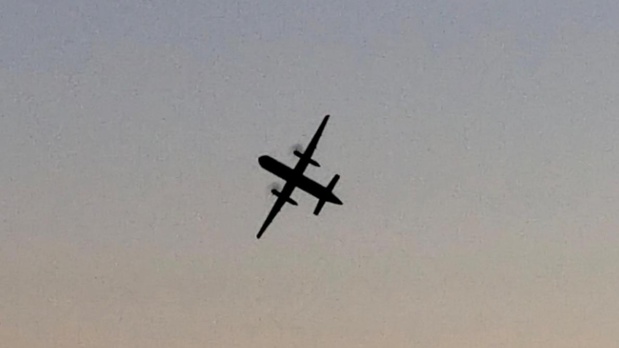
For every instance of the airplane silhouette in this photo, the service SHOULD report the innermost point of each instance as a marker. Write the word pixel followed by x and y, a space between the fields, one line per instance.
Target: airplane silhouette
pixel 294 178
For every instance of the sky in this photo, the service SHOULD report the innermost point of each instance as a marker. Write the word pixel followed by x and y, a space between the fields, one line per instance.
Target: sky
pixel 476 142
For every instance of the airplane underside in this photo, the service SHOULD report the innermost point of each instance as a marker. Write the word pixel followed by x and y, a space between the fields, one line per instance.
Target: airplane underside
pixel 295 179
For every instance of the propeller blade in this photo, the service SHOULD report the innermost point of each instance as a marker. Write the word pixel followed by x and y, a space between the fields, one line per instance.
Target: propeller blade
pixel 274 186
pixel 296 147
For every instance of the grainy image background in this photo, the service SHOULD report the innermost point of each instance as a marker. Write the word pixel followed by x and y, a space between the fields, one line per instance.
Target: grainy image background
pixel 477 143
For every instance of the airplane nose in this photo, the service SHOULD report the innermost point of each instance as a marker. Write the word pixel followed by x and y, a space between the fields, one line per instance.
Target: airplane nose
pixel 266 162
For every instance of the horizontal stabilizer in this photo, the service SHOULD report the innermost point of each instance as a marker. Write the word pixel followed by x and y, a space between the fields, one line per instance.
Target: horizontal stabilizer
pixel 321 202
pixel 319 206
pixel 310 161
pixel 288 199
pixel 333 182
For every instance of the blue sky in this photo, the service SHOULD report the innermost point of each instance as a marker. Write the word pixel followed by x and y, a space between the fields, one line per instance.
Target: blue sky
pixel 42 35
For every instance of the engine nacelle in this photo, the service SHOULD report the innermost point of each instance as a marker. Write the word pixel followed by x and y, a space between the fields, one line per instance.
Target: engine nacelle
pixel 288 199
pixel 311 161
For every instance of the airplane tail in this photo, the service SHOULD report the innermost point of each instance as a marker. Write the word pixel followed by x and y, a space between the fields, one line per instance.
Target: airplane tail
pixel 321 202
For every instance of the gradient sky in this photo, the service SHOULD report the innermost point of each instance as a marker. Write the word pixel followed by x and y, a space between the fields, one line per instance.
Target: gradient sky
pixel 477 143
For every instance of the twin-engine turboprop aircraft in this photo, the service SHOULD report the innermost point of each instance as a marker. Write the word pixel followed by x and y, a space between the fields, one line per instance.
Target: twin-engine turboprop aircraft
pixel 294 178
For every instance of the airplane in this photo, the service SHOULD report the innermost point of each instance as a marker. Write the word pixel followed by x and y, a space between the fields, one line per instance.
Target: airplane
pixel 295 179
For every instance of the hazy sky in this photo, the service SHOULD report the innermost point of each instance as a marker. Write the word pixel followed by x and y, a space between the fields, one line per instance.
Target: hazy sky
pixel 477 144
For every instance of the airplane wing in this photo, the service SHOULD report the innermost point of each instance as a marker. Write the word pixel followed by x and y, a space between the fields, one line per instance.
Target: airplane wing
pixel 282 198
pixel 307 154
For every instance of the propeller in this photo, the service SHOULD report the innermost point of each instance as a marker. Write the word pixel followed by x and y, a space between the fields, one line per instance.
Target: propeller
pixel 298 151
pixel 296 147
pixel 274 186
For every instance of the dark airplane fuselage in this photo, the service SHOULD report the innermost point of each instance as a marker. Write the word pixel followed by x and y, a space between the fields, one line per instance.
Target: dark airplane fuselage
pixel 297 179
